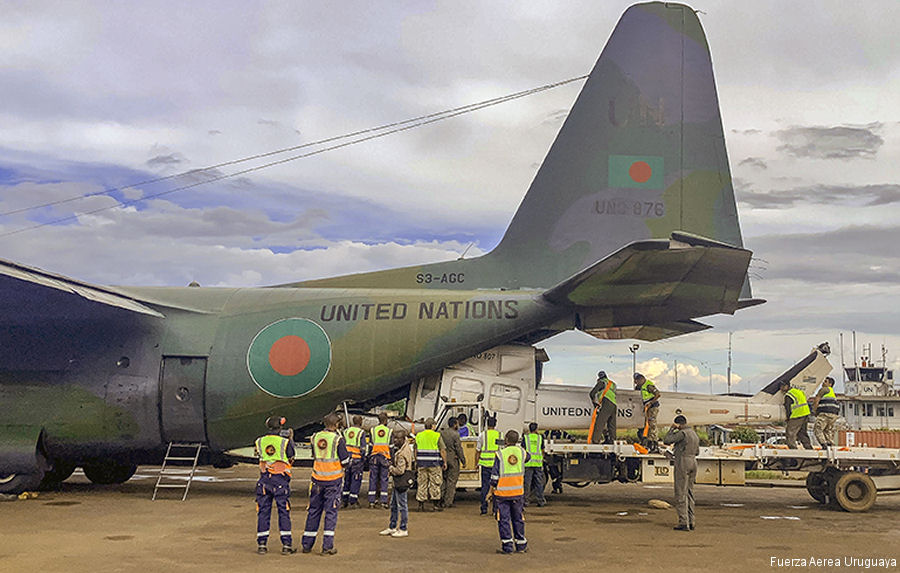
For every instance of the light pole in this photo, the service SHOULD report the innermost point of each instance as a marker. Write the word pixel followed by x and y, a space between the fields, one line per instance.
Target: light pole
pixel 634 348
pixel 709 371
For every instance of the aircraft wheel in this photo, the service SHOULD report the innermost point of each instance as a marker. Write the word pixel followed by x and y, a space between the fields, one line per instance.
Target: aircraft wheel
pixel 854 491
pixel 817 486
pixel 108 472
pixel 59 473
pixel 578 484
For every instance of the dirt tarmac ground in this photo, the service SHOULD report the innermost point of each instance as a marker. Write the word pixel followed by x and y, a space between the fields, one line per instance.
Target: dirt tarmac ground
pixel 101 529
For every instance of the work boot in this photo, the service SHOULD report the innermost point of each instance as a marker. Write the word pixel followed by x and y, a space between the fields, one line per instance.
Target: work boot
pixel 344 504
pixel 437 507
pixel 287 550
pixel 332 551
pixel 421 506
pixel 261 549
pixel 306 549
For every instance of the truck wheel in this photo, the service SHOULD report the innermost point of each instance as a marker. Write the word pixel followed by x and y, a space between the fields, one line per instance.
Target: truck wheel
pixel 17 483
pixel 107 472
pixel 59 473
pixel 854 491
pixel 817 486
pixel 578 484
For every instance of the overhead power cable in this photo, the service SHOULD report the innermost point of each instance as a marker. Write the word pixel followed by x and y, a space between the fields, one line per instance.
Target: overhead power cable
pixel 373 133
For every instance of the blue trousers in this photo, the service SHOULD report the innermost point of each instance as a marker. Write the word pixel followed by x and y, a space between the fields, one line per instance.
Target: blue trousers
pixel 485 486
pixel 511 523
pixel 399 508
pixel 534 481
pixel 378 478
pixel 269 488
pixel 353 480
pixel 324 497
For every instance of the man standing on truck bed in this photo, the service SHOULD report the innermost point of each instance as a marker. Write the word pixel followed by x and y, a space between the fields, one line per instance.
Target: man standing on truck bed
pixel 797 415
pixel 603 420
pixel 650 398
pixel 687 448
pixel 827 411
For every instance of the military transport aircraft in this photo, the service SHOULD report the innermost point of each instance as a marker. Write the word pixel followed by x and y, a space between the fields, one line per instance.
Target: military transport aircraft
pixel 629 230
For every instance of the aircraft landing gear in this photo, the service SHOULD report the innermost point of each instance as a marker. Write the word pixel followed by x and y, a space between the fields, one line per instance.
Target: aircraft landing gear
pixel 105 472
pixel 19 482
pixel 60 471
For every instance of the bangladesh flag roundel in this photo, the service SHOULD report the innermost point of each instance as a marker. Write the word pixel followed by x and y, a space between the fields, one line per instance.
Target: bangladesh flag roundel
pixel 636 171
pixel 289 358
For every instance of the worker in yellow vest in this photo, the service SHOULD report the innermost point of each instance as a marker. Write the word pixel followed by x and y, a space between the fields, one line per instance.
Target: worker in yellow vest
pixel 379 462
pixel 330 455
pixel 355 438
pixel 650 399
pixel 488 446
pixel 827 410
pixel 533 443
pixel 276 455
pixel 797 415
pixel 508 491
pixel 431 461
pixel 603 419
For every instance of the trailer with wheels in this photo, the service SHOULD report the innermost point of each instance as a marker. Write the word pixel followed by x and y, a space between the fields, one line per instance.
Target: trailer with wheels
pixel 840 477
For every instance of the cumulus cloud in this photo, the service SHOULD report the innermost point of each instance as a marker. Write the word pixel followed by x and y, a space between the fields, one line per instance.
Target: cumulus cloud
pixel 837 142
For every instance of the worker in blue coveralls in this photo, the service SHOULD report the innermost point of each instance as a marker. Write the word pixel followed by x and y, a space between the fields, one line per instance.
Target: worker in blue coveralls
pixel 329 458
pixel 276 456
pixel 508 492
pixel 356 442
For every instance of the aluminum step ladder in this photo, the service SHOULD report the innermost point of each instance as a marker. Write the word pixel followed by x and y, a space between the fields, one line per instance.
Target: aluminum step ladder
pixel 171 474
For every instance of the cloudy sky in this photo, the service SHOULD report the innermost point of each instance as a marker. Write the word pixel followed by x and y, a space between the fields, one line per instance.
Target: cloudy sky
pixel 100 96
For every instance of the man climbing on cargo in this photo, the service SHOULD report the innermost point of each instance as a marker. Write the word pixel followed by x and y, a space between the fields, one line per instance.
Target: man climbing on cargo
pixel 827 411
pixel 650 398
pixel 603 420
pixel 796 411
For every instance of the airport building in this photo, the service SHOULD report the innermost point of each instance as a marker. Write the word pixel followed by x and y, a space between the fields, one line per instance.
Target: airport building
pixel 870 400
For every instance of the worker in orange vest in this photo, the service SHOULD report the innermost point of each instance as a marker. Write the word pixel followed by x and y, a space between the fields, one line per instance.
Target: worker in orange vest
pixel 330 455
pixel 508 492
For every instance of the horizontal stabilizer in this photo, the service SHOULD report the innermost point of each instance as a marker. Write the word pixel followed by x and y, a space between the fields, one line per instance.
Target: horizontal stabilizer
pixel 807 375
pixel 648 333
pixel 688 280
pixel 27 293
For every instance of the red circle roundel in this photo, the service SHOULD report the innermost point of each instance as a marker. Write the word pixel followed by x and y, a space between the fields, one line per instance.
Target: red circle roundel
pixel 289 358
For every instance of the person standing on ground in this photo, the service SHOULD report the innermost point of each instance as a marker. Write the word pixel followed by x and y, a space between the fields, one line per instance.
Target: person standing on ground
pixel 276 456
pixel 603 420
pixel 797 415
pixel 508 491
pixel 827 410
pixel 650 399
pixel 379 461
pixel 488 446
pixel 329 458
pixel 534 467
pixel 687 448
pixel 402 470
pixel 431 460
pixel 456 458
pixel 355 438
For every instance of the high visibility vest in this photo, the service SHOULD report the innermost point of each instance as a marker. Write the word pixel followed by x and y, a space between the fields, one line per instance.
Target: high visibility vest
pixel 609 393
pixel 512 472
pixel 381 440
pixel 489 453
pixel 828 403
pixel 535 443
pixel 326 463
pixel 646 395
pixel 799 408
pixel 353 437
pixel 273 454
pixel 428 453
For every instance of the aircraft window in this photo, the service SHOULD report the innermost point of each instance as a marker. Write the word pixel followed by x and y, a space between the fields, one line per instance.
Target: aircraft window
pixel 505 398
pixel 465 389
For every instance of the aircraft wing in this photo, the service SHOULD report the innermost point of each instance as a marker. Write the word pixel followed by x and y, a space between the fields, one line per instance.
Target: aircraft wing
pixel 27 294
pixel 650 332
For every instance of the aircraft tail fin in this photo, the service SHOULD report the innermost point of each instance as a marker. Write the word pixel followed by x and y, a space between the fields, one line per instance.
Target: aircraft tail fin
pixel 806 375
pixel 641 154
